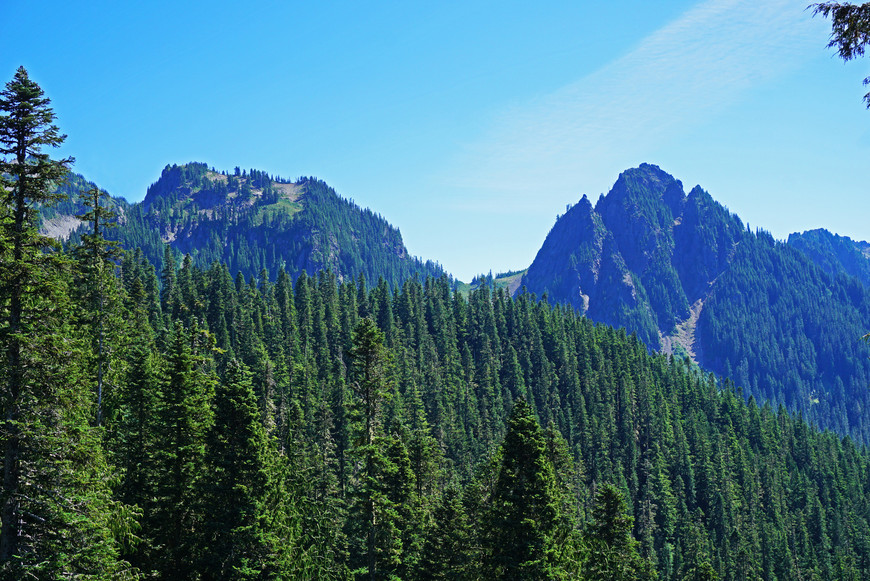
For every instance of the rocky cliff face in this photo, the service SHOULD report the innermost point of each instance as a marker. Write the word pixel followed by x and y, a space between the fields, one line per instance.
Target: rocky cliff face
pixel 572 254
pixel 704 240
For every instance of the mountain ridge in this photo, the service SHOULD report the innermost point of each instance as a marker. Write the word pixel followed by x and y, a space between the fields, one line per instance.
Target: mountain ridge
pixel 259 223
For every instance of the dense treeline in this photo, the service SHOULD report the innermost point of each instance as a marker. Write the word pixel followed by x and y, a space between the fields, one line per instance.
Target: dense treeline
pixel 308 411
pixel 196 425
pixel 708 479
pixel 797 343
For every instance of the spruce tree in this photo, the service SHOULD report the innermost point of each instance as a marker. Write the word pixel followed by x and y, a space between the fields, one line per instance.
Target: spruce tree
pixel 26 127
pixel 372 537
pixel 97 286
pixel 447 549
pixel 613 552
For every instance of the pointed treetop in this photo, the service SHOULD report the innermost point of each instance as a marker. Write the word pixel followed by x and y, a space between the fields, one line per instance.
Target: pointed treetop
pixel 28 123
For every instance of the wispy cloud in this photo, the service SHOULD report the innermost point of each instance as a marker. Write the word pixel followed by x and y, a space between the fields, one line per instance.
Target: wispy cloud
pixel 675 79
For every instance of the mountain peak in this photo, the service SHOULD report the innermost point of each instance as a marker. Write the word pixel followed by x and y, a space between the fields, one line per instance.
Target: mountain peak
pixel 208 188
pixel 644 178
pixel 640 257
pixel 641 191
pixel 684 274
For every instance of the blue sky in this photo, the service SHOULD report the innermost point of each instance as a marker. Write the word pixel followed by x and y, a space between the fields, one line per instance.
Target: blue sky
pixel 469 125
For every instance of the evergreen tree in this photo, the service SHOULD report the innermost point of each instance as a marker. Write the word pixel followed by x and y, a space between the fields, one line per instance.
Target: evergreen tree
pixel 98 286
pixel 169 294
pixel 55 510
pixel 850 30
pixel 183 418
pixel 238 478
pixel 370 367
pixel 447 550
pixel 613 552
pixel 26 127
pixel 524 508
pixel 370 363
pixel 131 426
pixel 366 475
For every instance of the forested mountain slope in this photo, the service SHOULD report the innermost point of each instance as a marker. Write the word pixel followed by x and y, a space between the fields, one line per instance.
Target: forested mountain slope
pixel 320 428
pixel 254 222
pixel 684 273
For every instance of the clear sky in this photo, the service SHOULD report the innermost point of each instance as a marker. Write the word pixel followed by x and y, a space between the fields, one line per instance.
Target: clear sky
pixel 468 125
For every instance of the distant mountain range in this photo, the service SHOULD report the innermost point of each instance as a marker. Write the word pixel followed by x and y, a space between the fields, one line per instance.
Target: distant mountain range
pixel 784 321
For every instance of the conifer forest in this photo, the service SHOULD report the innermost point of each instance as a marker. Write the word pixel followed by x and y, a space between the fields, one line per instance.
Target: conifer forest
pixel 225 411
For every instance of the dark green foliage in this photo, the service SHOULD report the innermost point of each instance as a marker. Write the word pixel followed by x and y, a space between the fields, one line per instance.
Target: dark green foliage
pixel 354 475
pixel 331 430
pixel 382 513
pixel 57 515
pixel 132 437
pixel 236 539
pixel 818 365
pixel 850 30
pixel 183 417
pixel 447 550
pixel 370 368
pixel 96 286
pixel 613 552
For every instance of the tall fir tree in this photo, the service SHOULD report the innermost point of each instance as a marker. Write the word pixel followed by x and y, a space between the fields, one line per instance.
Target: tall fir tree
pixel 97 286
pixel 447 550
pixel 371 530
pixel 613 553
